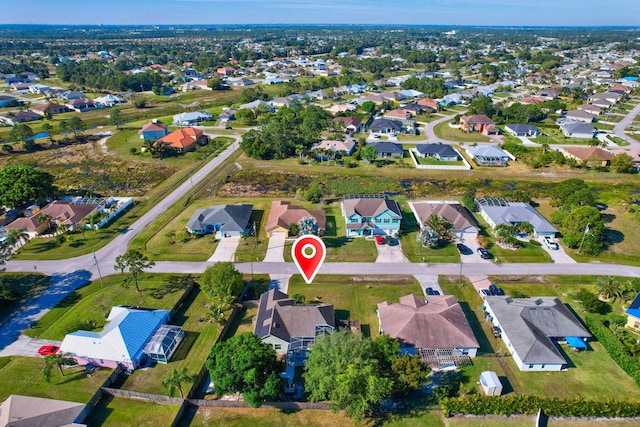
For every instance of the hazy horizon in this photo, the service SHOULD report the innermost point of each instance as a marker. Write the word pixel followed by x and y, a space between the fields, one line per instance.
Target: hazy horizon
pixel 491 13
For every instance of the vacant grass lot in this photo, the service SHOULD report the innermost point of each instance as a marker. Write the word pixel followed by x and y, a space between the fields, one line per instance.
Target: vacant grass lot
pixel 23 375
pixel 591 374
pixel 94 302
pixel 356 297
pixel 444 131
pixel 263 417
pixel 118 412
pixel 620 232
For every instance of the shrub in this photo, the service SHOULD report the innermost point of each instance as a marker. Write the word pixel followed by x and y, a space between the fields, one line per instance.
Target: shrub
pixel 614 347
pixel 478 404
pixel 534 242
pixel 590 302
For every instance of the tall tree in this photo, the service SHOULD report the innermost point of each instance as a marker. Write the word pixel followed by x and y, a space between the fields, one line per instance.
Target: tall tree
pixel 244 364
pixel 135 262
pixel 115 118
pixel 342 368
pixel 176 379
pixel 221 280
pixel 20 185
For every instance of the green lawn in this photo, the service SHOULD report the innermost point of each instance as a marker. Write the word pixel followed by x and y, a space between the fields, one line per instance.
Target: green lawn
pixel 355 297
pixel 94 301
pixel 561 139
pixel 249 417
pixel 525 253
pixel 591 374
pixel 254 248
pixel 443 131
pixel 413 250
pixel 119 412
pixel 23 375
pixel 82 243
pixel 200 335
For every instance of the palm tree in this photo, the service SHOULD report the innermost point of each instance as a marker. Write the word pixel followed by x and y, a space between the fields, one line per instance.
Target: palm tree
pixel 57 360
pixel 608 287
pixel 176 379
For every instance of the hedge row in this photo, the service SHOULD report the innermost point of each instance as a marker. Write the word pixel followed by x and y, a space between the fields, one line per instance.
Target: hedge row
pixel 614 347
pixel 479 404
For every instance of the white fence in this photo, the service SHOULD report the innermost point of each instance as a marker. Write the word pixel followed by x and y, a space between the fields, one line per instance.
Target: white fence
pixel 122 203
pixel 466 165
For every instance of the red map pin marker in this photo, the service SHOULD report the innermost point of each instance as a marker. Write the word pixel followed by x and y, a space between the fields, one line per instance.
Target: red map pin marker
pixel 308 263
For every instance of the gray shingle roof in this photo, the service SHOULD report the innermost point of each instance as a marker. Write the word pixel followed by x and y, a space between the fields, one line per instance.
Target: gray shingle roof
pixel 529 323
pixel 385 147
pixel 443 150
pixel 517 212
pixel 385 123
pixel 278 315
pixel 522 128
pixel 232 217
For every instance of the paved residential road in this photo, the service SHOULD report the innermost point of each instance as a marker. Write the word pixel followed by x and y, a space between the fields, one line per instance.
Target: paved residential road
pixel 619 128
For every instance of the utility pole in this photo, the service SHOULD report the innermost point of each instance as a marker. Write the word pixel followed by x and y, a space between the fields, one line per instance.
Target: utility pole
pixel 95 260
pixel 586 230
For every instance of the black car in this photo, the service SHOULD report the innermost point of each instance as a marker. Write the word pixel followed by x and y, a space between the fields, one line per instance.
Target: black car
pixel 464 250
pixel 429 291
pixel 484 254
pixel 495 290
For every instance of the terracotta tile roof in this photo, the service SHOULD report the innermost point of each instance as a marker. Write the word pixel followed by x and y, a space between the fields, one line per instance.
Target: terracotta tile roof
pixel 283 213
pixel 184 138
pixel 436 323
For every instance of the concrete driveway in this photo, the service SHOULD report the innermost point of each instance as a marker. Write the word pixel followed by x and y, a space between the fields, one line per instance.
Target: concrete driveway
pixel 473 258
pixel 428 281
pixel 226 250
pixel 559 256
pixel 391 253
pixel 26 346
pixel 275 250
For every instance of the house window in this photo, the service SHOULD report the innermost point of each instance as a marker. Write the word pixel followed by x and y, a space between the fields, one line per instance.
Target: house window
pixel 541 366
pixel 378 220
pixel 354 220
pixel 530 366
pixel 277 346
pixel 396 220
pixel 366 219
pixel 386 221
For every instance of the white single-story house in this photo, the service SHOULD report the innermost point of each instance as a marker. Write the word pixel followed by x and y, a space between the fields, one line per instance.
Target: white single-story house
pixel 532 327
pixel 500 211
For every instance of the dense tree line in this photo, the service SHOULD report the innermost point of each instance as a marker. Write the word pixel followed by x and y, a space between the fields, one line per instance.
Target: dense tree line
pixel 281 134
pixel 97 74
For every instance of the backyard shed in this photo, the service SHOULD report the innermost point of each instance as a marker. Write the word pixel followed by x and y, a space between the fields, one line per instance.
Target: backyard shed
pixel 490 383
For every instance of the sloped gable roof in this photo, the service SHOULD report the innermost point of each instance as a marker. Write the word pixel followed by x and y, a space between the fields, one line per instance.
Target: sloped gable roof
pixel 371 207
pixel 279 316
pixel 234 218
pixel 531 322
pixel 385 147
pixel 437 323
pixel 516 212
pixel 455 213
pixel 443 150
pixel 27 411
pixel 181 138
pixel 121 340
pixel 283 213
pixel 587 153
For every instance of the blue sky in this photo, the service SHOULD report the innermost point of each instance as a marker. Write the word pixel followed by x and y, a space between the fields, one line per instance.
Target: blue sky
pixel 427 12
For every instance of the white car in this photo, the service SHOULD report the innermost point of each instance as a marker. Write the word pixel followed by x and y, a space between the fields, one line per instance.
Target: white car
pixel 550 242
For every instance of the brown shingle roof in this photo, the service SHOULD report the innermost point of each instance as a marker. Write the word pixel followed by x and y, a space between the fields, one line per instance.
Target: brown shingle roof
pixel 455 213
pixel 586 153
pixel 370 206
pixel 438 323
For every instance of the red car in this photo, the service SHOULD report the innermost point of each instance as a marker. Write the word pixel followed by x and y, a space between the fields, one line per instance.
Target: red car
pixel 48 350
pixel 381 240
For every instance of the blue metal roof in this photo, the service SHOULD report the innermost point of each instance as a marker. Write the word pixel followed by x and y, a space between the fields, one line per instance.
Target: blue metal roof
pixel 634 308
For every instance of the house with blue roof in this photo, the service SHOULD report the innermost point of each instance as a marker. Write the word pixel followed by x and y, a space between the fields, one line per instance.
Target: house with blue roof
pixel 123 340
pixel 633 314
